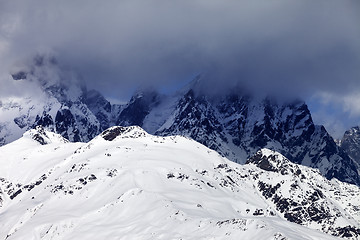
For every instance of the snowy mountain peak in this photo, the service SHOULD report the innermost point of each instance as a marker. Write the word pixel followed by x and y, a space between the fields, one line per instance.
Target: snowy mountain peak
pixel 270 160
pixel 302 197
pixel 42 136
pixel 123 132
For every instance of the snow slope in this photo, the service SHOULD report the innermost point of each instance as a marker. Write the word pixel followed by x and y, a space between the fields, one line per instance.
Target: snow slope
pixel 128 184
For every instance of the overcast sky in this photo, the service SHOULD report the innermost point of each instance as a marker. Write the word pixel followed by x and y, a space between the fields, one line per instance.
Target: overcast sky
pixel 305 48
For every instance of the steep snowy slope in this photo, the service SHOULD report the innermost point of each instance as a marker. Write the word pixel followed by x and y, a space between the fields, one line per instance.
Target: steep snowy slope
pixel 127 184
pixel 301 196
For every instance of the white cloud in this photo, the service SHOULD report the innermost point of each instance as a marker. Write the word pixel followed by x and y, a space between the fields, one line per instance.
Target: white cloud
pixel 275 44
pixel 337 112
pixel 350 102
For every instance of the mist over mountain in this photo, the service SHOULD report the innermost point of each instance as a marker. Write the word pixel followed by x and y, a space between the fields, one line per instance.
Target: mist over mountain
pixel 286 47
pixel 308 49
pixel 234 123
pixel 151 99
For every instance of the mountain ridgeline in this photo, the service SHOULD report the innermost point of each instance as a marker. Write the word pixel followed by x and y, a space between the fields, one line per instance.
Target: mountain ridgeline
pixel 235 125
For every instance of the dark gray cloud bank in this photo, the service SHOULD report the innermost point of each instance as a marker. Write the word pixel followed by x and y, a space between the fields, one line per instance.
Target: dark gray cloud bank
pixel 306 48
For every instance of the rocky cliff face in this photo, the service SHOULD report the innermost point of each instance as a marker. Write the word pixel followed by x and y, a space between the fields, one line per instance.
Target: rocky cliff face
pixel 100 107
pixel 138 108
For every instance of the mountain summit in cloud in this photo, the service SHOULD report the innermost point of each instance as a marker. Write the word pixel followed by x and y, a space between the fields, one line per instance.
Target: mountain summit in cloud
pixel 235 124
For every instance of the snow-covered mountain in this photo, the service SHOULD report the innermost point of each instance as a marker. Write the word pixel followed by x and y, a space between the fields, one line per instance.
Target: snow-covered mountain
pixel 237 126
pixel 234 124
pixel 128 184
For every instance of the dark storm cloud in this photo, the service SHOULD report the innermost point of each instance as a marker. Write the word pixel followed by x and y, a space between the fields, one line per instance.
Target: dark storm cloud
pixel 268 45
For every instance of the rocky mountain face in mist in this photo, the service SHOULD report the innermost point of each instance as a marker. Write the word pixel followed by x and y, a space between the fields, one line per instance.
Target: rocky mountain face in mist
pixel 235 125
pixel 350 143
pixel 124 178
pixel 56 100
